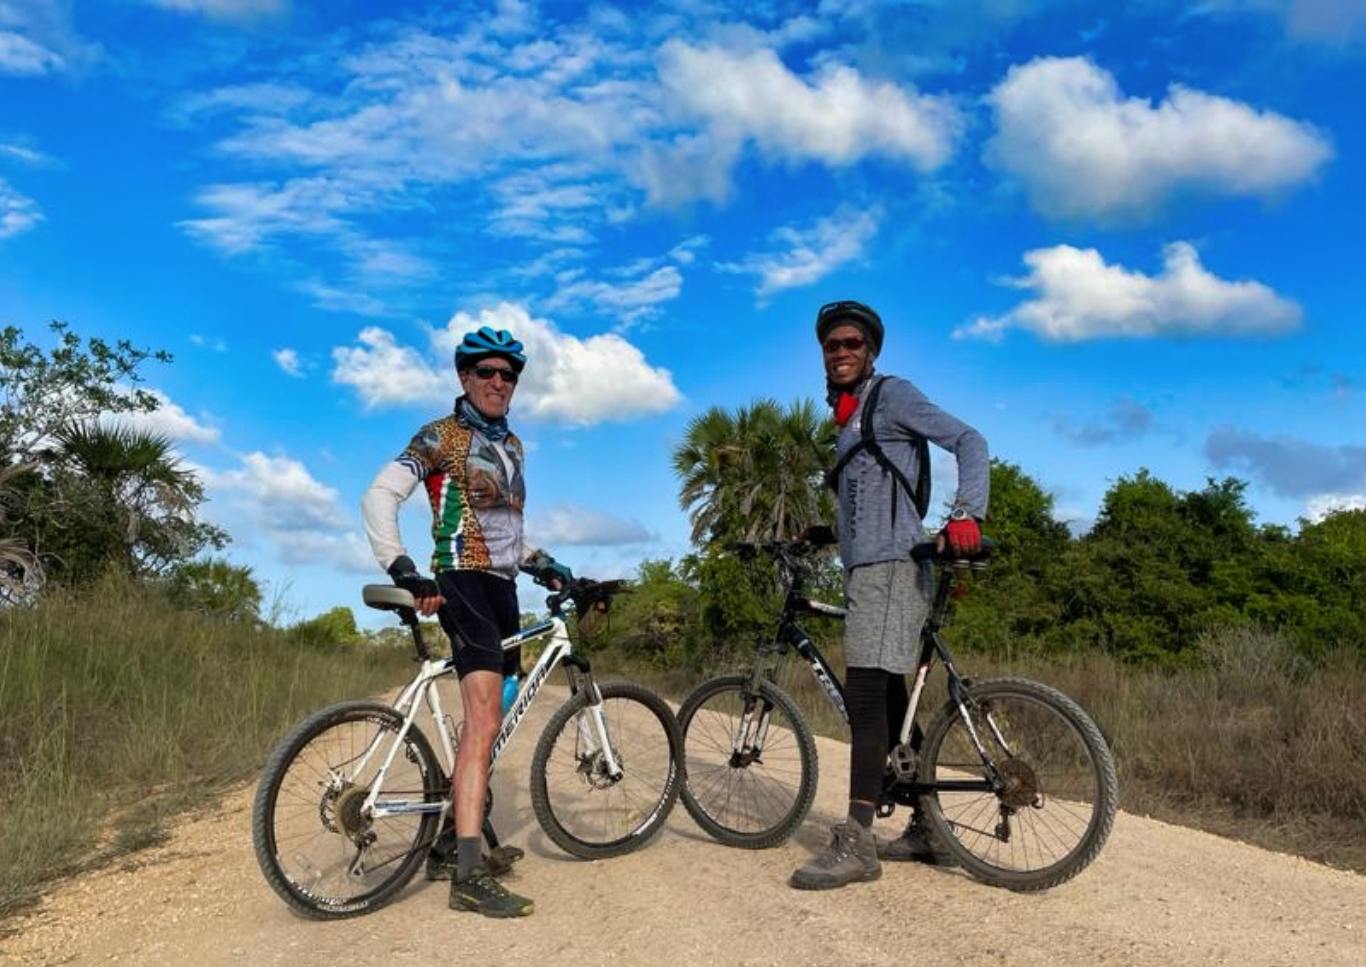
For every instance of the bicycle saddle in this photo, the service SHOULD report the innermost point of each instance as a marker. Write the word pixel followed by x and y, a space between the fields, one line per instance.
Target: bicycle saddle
pixel 386 597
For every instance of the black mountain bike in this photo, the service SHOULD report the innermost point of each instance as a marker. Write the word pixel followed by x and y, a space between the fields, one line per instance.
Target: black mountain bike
pixel 1015 780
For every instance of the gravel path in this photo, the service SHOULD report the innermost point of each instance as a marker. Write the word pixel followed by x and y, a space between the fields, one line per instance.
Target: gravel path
pixel 1159 894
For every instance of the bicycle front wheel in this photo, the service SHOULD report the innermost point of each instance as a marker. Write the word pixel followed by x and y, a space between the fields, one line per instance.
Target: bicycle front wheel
pixel 750 765
pixel 317 846
pixel 1054 808
pixel 581 806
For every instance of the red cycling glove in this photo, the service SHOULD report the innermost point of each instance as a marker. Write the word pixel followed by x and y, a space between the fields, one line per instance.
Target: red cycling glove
pixel 964 536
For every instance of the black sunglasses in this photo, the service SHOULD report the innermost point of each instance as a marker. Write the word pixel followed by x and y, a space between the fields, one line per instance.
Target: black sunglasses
pixel 851 343
pixel 487 372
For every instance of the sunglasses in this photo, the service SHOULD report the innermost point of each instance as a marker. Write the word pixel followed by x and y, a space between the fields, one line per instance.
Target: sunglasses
pixel 851 343
pixel 488 372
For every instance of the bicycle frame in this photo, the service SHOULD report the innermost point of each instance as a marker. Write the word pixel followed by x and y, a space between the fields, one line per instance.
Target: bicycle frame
pixel 750 735
pixel 559 651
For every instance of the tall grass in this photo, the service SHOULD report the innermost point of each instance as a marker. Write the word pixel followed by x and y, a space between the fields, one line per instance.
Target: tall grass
pixel 118 710
pixel 1253 740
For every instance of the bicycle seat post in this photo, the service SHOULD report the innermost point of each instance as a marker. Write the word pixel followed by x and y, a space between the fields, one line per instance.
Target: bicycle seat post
pixel 409 617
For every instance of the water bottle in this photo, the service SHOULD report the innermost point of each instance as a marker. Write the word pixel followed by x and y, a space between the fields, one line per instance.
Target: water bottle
pixel 510 683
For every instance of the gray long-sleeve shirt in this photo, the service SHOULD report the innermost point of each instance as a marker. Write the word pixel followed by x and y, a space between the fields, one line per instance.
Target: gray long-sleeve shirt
pixel 866 490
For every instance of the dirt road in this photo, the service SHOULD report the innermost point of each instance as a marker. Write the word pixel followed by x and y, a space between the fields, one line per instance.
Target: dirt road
pixel 1159 894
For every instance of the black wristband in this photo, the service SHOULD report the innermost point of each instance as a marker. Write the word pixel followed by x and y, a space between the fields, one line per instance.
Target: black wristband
pixel 403 564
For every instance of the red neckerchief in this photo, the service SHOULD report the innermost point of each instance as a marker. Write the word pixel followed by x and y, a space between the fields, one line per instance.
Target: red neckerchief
pixel 846 405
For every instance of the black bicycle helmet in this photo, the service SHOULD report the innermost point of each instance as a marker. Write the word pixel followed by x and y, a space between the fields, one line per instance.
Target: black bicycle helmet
pixel 833 314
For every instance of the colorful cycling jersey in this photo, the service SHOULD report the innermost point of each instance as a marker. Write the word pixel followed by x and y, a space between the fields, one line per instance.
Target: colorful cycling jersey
pixel 476 491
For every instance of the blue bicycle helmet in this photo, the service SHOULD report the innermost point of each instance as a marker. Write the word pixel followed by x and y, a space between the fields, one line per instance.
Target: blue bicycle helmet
pixel 485 342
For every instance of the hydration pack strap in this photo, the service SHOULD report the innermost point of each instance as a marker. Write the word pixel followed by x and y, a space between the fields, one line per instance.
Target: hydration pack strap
pixel 920 493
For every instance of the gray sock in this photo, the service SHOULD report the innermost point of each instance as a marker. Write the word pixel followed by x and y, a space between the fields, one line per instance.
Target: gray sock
pixel 466 856
pixel 861 813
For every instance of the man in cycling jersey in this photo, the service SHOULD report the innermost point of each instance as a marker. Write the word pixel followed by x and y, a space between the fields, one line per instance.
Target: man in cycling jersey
pixel 887 594
pixel 470 464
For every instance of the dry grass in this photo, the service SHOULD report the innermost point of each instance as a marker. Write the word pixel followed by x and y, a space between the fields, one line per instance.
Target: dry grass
pixel 117 711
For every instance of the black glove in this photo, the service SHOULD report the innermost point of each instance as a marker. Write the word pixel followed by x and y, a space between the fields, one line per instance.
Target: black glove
pixel 404 574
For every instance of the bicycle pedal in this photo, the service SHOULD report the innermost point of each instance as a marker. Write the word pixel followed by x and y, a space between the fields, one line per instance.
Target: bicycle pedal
pixel 885 809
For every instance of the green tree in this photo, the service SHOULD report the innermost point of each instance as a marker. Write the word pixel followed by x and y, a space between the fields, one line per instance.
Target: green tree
pixel 124 499
pixel 73 382
pixel 334 627
pixel 1016 606
pixel 755 474
pixel 216 587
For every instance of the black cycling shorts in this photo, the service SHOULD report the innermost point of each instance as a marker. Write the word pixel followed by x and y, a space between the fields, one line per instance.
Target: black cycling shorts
pixel 480 611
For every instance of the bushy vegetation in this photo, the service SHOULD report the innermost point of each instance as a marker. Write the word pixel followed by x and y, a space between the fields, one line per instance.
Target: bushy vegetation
pixel 119 708
pixel 1224 660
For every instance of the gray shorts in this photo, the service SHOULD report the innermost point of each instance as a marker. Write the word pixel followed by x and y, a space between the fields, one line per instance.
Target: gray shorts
pixel 888 604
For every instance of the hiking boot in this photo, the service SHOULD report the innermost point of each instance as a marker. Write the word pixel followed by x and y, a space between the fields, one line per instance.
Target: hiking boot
pixel 916 844
pixel 851 857
pixel 481 893
pixel 499 860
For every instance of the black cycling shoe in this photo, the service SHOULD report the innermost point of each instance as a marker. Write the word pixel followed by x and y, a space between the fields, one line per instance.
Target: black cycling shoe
pixel 498 861
pixel 481 893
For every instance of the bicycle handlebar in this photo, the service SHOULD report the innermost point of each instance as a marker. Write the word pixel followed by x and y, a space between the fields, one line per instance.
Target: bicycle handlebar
pixel 586 593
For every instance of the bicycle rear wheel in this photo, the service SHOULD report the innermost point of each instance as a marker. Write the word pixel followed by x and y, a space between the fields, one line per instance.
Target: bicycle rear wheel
pixel 750 766
pixel 581 807
pixel 1057 805
pixel 317 848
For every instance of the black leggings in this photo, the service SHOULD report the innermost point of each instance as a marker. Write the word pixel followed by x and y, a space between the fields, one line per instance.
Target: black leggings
pixel 877 702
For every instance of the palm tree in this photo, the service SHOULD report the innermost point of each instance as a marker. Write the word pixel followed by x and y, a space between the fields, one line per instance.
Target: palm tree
pixel 131 487
pixel 757 473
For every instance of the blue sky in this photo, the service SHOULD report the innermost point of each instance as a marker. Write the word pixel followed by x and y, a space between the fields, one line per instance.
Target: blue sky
pixel 1109 237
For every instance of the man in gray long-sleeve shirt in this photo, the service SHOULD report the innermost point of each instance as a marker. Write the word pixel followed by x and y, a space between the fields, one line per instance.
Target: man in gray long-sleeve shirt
pixel 887 594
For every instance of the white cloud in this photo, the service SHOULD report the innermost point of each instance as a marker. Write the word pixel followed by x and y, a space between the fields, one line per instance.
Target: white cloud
pixel 837 116
pixel 1078 296
pixel 19 55
pixel 224 9
pixel 299 515
pixel 569 525
pixel 204 342
pixel 18 213
pixel 1320 507
pixel 25 154
pixel 383 373
pixel 628 301
pixel 1334 23
pixel 288 360
pixel 549 137
pixel 569 380
pixel 337 299
pixel 246 215
pixel 1081 149
pixel 287 497
pixel 169 419
pixel 36 38
pixel 806 255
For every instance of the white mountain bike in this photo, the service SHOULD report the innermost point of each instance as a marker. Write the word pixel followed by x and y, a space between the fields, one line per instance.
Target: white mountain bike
pixel 352 798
